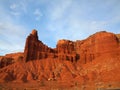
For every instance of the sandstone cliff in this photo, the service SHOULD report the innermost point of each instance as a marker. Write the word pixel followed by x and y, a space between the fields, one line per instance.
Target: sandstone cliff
pixel 85 50
pixel 95 59
pixel 35 49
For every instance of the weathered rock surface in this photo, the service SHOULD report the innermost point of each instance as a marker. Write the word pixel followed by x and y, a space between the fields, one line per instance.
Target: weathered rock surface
pixel 35 49
pixel 66 50
pixel 85 50
pixel 118 36
pixel 97 45
pixel 9 59
pixel 95 59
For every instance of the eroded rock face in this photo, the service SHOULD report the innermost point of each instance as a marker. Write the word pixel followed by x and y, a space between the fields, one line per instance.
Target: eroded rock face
pixel 88 49
pixel 97 45
pixel 5 61
pixel 85 50
pixel 35 49
pixel 65 46
pixel 93 59
pixel 118 36
pixel 9 59
pixel 67 51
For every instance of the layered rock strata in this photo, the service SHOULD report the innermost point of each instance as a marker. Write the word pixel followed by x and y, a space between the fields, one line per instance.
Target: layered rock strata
pixel 83 50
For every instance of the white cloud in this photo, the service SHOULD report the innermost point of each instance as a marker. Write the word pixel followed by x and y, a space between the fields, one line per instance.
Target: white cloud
pixel 13 6
pixel 72 20
pixel 15 9
pixel 12 35
pixel 37 14
pixel 18 8
pixel 15 13
pixel 58 9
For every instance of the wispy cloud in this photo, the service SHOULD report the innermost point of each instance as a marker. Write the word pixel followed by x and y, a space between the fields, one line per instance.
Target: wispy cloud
pixel 13 6
pixel 78 19
pixel 37 14
pixel 12 34
pixel 18 8
pixel 58 9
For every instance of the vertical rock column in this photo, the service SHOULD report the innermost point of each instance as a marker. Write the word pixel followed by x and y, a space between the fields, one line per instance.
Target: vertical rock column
pixel 35 49
pixel 31 46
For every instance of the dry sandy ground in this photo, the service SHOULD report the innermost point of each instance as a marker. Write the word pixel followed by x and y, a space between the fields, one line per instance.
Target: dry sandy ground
pixel 54 85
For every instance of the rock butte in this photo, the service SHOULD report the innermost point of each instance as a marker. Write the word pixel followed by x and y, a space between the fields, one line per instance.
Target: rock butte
pixel 95 59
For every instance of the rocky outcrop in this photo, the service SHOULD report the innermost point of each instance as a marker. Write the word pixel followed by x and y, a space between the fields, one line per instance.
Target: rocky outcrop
pixel 118 36
pixel 94 59
pixel 83 50
pixel 9 59
pixel 88 49
pixel 35 49
pixel 96 45
pixel 5 61
pixel 66 50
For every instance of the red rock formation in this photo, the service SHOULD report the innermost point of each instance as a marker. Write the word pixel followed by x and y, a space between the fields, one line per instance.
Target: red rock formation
pixel 5 61
pixel 35 49
pixel 9 59
pixel 118 36
pixel 85 50
pixel 97 45
pixel 66 50
pixel 96 59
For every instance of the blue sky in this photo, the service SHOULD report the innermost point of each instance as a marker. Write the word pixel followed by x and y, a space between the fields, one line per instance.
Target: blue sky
pixel 54 20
